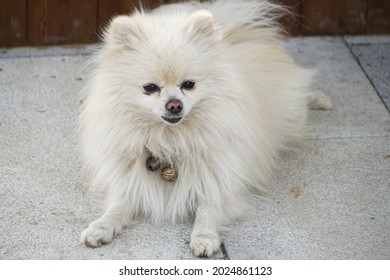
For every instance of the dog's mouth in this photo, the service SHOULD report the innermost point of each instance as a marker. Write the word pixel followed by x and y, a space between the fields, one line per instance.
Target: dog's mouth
pixel 172 120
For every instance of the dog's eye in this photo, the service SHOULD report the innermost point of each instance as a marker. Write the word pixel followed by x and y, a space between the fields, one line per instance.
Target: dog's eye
pixel 151 88
pixel 187 85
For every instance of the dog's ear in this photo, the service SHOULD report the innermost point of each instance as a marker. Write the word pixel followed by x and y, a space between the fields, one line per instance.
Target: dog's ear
pixel 122 30
pixel 200 23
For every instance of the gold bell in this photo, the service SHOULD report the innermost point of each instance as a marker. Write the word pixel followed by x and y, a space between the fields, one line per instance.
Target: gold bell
pixel 168 173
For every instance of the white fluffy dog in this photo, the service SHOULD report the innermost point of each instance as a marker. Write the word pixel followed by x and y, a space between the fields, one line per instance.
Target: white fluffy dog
pixel 185 113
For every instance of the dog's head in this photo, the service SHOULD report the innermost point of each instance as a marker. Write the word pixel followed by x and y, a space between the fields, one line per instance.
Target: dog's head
pixel 163 62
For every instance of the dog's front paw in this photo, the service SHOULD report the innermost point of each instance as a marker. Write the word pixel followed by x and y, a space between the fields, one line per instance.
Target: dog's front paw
pixel 205 245
pixel 99 233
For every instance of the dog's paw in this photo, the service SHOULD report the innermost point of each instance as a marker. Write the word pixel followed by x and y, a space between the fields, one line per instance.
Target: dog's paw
pixel 99 233
pixel 205 245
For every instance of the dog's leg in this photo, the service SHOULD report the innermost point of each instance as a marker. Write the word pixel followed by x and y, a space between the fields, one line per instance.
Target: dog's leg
pixel 205 240
pixel 102 230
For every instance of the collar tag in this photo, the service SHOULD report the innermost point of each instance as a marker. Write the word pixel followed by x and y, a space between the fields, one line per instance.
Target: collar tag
pixel 168 172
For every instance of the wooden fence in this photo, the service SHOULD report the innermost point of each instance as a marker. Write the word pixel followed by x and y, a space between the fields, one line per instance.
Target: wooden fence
pixel 55 22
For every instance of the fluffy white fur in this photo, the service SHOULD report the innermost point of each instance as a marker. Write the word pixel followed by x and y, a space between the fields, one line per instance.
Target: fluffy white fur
pixel 250 101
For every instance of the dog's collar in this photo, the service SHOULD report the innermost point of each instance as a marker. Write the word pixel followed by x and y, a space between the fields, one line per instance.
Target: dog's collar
pixel 168 172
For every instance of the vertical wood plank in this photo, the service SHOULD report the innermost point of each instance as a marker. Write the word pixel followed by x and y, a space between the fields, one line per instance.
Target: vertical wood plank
pixel 61 21
pixel 334 17
pixel 378 17
pixel 35 17
pixel 13 26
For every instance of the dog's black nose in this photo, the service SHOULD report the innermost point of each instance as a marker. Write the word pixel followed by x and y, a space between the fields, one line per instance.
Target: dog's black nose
pixel 174 106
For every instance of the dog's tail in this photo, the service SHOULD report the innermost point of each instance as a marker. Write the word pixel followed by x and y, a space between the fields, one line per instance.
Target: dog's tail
pixel 254 13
